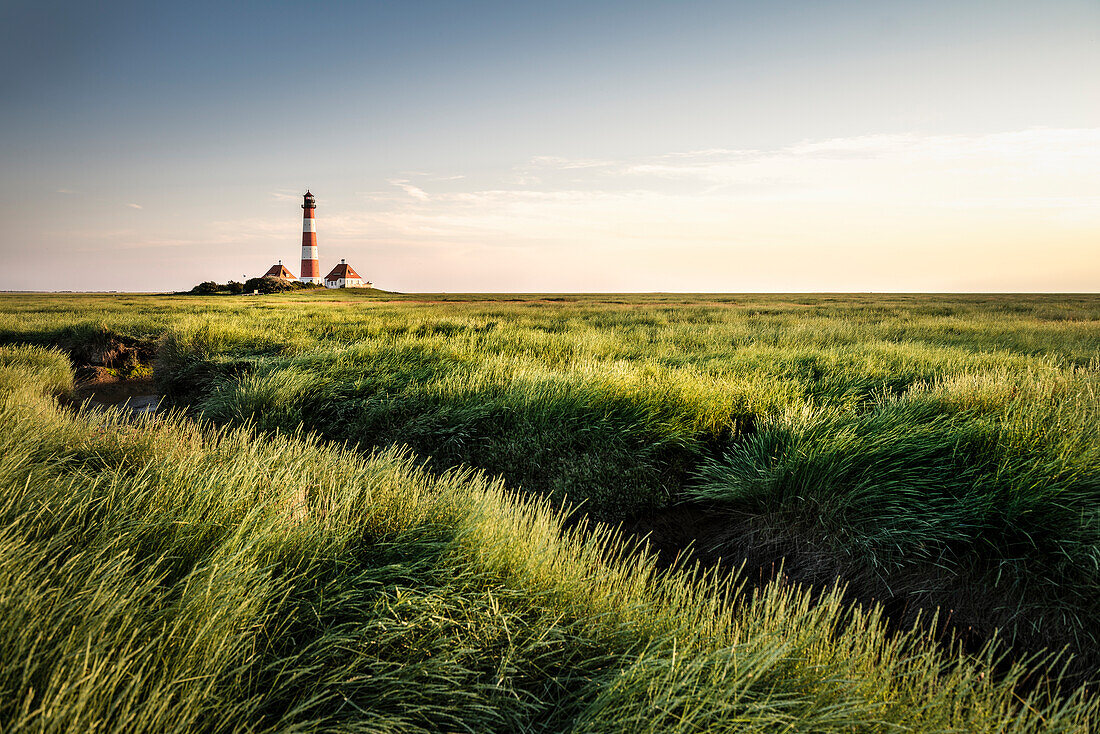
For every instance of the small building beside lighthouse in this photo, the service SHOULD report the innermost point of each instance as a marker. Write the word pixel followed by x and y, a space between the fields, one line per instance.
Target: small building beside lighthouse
pixel 344 276
pixel 279 271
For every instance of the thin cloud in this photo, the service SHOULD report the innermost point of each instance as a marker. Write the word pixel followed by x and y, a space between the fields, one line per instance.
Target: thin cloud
pixel 431 175
pixel 135 206
pixel 551 161
pixel 1050 150
pixel 414 191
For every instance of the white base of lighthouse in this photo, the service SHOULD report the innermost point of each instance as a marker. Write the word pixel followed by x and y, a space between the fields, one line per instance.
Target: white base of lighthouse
pixel 312 281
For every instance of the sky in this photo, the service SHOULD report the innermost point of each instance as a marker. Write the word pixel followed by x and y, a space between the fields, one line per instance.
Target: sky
pixel 466 146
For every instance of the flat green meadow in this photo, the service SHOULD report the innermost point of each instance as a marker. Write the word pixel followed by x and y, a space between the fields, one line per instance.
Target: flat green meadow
pixel 365 511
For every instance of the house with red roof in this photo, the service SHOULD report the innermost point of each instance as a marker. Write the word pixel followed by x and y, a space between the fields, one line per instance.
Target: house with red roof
pixel 344 276
pixel 278 271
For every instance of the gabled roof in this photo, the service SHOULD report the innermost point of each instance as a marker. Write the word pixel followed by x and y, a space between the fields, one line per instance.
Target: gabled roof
pixel 343 270
pixel 279 271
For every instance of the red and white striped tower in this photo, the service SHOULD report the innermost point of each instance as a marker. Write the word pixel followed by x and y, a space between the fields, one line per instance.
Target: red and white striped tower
pixel 311 269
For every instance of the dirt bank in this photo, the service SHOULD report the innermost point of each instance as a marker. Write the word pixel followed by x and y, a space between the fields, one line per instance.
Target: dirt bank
pixel 139 395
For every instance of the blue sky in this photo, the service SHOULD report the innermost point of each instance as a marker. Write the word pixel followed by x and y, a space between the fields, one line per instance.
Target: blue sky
pixel 555 146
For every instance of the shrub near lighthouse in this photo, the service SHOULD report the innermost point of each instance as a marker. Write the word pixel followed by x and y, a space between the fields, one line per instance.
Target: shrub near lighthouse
pixel 311 268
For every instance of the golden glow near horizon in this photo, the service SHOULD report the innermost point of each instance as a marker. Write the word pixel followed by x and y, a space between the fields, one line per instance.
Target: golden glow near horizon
pixel 1010 211
pixel 1014 211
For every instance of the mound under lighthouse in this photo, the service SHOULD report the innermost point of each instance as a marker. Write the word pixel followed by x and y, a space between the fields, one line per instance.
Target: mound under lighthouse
pixel 311 269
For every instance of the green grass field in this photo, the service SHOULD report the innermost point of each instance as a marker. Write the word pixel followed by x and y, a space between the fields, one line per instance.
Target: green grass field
pixel 378 512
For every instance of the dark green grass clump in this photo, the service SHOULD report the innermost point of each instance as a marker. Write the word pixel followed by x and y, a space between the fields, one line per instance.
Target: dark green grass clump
pixel 158 575
pixel 981 497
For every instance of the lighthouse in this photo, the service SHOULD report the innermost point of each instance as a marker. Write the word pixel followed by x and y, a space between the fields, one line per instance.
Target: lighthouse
pixel 311 269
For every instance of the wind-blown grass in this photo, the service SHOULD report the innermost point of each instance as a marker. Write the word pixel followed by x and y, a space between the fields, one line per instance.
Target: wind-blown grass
pixel 163 575
pixel 931 451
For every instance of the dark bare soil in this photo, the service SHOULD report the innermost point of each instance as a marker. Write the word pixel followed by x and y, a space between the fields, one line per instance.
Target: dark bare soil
pixel 103 390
